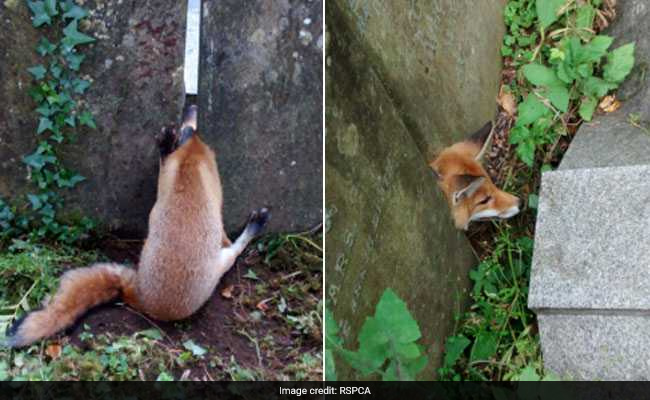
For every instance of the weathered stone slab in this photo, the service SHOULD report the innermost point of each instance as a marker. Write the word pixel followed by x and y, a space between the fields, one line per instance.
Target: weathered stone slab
pixel 260 106
pixel 136 65
pixel 387 224
pixel 590 265
pixel 439 60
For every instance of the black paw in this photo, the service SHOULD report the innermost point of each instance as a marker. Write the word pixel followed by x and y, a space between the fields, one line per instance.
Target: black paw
pixel 257 220
pixel 167 141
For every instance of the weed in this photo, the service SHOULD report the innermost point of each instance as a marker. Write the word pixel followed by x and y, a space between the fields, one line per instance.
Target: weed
pixel 387 343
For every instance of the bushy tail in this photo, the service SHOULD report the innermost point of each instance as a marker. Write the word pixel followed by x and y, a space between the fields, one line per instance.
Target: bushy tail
pixel 80 290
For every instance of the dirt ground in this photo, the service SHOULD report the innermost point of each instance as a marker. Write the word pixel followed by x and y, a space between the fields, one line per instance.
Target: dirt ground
pixel 265 313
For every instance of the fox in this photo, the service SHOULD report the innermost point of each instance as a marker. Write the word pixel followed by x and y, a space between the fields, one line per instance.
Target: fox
pixel 185 254
pixel 471 194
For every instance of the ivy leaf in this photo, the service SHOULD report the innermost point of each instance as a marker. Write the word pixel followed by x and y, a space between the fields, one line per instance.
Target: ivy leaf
pixel 45 110
pixel 56 70
pixel 531 110
pixel 74 60
pixel 35 201
pixel 547 10
pixel 38 72
pixel 73 37
pixel 80 85
pixel 540 75
pixel 74 11
pixel 619 63
pixel 44 125
pixel 559 97
pixel 454 348
pixel 70 120
pixel 86 118
pixel 40 14
pixel 45 47
pixel 587 108
pixel 38 160
pixel 196 350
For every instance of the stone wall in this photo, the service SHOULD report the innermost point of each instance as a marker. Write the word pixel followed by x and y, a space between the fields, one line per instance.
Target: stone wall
pixel 260 107
pixel 401 83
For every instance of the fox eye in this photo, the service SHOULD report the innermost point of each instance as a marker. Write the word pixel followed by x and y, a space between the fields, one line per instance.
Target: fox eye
pixel 485 200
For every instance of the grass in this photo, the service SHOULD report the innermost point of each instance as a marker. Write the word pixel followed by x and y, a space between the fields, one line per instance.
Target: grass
pixel 278 298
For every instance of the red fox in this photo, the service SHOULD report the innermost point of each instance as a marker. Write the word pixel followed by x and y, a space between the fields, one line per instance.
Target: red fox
pixel 469 190
pixel 184 256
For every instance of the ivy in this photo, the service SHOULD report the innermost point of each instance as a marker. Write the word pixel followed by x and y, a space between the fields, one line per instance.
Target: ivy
pixel 55 91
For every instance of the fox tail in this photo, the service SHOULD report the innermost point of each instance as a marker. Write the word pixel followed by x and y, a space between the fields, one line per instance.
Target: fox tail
pixel 80 290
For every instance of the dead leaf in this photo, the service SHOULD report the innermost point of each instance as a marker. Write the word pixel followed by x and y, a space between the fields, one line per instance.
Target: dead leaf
pixel 227 291
pixel 262 306
pixel 54 351
pixel 507 101
pixel 609 104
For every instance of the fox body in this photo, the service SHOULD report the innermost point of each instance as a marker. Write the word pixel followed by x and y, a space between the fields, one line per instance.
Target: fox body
pixel 184 256
pixel 471 194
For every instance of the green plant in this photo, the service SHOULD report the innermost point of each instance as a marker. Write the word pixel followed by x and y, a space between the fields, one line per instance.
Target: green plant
pixel 564 71
pixel 55 90
pixel 497 338
pixel 387 343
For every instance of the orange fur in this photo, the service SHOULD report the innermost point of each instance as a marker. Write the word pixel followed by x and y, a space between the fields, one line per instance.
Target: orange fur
pixel 184 256
pixel 457 167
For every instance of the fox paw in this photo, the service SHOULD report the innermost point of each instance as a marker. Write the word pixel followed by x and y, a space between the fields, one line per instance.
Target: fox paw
pixel 257 220
pixel 167 139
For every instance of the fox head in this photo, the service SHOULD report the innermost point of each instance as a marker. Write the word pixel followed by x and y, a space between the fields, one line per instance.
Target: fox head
pixel 471 194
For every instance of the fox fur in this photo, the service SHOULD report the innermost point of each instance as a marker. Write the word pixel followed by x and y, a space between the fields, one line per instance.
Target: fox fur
pixel 184 256
pixel 471 194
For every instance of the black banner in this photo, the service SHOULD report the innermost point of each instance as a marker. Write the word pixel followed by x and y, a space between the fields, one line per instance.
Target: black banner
pixel 322 390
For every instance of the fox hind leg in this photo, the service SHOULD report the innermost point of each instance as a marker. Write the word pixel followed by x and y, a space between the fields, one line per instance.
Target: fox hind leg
pixel 256 222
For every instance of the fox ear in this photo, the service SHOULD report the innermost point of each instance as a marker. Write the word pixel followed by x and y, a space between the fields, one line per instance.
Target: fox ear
pixel 481 138
pixel 467 185
pixel 435 174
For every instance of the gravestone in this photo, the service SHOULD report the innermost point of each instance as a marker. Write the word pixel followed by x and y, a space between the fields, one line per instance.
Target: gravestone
pixel 589 279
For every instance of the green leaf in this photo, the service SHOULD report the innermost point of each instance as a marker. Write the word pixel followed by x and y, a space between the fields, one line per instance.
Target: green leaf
pixel 249 275
pixel 587 108
pixel 86 118
pixel 484 347
pixel 526 152
pixel 454 348
pixel 597 48
pixel 150 333
pixel 541 76
pixel 396 319
pixel 70 120
pixel 585 17
pixel 547 10
pixel 80 85
pixel 619 63
pixel 73 37
pixel 533 201
pixel 39 12
pixel 38 160
pixel 38 71
pixel 45 47
pixel 35 201
pixel 74 60
pixel 528 374
pixel 44 125
pixel 330 367
pixel 531 110
pixel 597 87
pixel 196 350
pixel 559 97
pixel 76 12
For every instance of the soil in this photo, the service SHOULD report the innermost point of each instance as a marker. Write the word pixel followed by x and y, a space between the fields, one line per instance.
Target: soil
pixel 239 307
